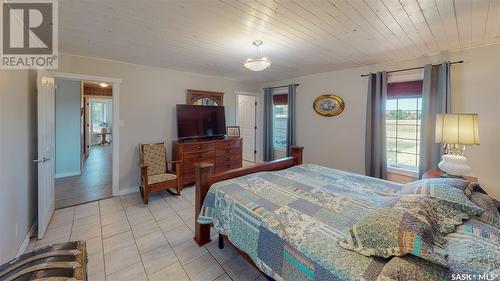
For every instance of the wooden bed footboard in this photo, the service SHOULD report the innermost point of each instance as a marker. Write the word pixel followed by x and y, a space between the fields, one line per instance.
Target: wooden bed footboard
pixel 205 179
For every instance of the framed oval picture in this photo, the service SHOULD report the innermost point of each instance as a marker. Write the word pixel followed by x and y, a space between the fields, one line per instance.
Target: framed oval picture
pixel 328 105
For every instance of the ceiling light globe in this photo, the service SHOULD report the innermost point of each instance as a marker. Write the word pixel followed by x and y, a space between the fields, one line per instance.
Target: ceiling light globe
pixel 257 64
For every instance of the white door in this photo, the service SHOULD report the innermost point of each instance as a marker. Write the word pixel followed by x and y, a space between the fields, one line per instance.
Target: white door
pixel 46 154
pixel 247 122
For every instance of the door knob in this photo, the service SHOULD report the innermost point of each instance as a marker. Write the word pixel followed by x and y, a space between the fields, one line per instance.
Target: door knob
pixel 44 159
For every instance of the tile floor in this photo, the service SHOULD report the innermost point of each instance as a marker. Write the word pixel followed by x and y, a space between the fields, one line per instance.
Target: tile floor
pixel 127 240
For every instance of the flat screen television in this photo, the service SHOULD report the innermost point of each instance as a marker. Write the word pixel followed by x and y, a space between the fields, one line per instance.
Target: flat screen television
pixel 200 121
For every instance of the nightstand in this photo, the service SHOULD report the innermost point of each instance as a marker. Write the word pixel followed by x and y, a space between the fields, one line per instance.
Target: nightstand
pixel 437 174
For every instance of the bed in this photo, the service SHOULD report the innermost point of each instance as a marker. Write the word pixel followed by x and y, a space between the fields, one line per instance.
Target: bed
pixel 288 218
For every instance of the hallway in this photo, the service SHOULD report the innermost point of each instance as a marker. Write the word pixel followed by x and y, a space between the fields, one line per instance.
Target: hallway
pixel 93 184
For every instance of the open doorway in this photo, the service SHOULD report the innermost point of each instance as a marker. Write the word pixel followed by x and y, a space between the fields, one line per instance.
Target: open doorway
pixel 248 118
pixel 83 141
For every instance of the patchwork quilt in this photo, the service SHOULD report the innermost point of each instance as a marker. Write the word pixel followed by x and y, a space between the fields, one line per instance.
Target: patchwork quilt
pixel 289 221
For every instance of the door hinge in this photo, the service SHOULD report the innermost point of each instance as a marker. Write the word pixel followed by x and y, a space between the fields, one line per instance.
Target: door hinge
pixel 255 103
pixel 255 152
pixel 255 127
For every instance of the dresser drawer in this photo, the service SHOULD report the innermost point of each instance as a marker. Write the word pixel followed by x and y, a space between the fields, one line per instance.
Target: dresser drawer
pixel 227 151
pixel 199 155
pixel 227 166
pixel 188 178
pixel 194 147
pixel 188 167
pixel 227 144
pixel 230 159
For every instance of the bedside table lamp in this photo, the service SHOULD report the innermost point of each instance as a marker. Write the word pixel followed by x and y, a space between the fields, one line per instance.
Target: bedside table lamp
pixel 455 131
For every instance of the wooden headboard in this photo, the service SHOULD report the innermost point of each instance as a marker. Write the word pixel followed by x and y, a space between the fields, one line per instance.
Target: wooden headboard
pixel 205 179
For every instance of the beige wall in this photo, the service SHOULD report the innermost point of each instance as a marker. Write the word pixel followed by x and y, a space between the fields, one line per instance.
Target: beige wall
pixel 338 142
pixel 148 97
pixel 17 150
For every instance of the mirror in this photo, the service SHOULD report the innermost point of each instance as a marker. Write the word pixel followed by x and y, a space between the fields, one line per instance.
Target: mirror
pixel 201 97
pixel 206 101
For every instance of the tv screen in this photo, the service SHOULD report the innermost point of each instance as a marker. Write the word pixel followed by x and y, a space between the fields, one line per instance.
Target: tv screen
pixel 200 121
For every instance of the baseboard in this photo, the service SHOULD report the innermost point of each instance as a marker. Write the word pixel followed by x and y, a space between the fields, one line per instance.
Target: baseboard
pixel 129 190
pixel 27 239
pixel 68 174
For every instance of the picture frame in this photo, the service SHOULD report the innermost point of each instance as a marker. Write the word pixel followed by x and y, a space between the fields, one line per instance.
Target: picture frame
pixel 233 131
pixel 328 105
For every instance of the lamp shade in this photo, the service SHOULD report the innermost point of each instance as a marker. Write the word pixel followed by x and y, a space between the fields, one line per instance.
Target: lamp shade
pixel 457 129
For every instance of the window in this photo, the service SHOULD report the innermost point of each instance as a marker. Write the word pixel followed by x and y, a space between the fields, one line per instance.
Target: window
pixel 403 120
pixel 280 125
pixel 98 115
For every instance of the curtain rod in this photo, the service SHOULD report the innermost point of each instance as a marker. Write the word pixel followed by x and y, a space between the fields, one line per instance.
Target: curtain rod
pixel 413 68
pixel 284 86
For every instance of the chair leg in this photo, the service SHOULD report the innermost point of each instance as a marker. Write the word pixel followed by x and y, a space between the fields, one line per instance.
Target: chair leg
pixel 173 193
pixel 145 195
pixel 221 241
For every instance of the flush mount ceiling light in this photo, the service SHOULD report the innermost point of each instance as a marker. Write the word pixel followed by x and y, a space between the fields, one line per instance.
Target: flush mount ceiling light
pixel 257 64
pixel 103 85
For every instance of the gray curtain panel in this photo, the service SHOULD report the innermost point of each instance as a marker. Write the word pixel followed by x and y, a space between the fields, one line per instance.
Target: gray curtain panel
pixel 375 144
pixel 268 125
pixel 292 91
pixel 436 98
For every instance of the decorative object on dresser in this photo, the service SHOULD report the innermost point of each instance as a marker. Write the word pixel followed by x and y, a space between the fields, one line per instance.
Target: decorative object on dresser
pixel 455 131
pixel 440 174
pixel 155 175
pixel 328 105
pixel 203 97
pixel 225 154
pixel 233 131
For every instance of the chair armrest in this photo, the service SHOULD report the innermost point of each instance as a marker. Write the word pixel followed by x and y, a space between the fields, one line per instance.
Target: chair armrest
pixel 175 164
pixel 178 167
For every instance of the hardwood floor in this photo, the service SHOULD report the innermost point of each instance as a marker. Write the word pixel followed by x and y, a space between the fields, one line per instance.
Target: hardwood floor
pixel 93 184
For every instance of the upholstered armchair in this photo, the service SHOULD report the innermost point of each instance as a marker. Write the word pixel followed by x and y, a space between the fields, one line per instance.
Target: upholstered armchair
pixel 155 175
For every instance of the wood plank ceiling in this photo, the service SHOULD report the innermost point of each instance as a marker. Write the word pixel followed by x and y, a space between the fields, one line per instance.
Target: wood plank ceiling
pixel 300 36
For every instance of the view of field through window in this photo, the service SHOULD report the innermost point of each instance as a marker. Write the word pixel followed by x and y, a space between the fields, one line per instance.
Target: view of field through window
pixel 280 123
pixel 403 117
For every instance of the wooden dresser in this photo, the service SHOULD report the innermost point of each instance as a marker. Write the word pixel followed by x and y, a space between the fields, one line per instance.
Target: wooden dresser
pixel 226 154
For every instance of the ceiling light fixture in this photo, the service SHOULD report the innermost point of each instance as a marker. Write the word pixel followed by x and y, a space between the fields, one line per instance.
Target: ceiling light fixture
pixel 103 85
pixel 257 64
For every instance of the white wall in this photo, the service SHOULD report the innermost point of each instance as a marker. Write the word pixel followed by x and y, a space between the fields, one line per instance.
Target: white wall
pixel 18 197
pixel 68 128
pixel 148 96
pixel 338 142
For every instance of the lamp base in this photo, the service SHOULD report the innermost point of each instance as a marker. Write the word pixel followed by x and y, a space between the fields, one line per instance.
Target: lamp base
pixel 454 165
pixel 448 176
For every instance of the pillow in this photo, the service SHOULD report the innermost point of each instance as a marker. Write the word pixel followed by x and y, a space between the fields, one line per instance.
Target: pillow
pixel 443 217
pixel 446 191
pixel 491 214
pixel 411 268
pixel 396 232
pixel 458 183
